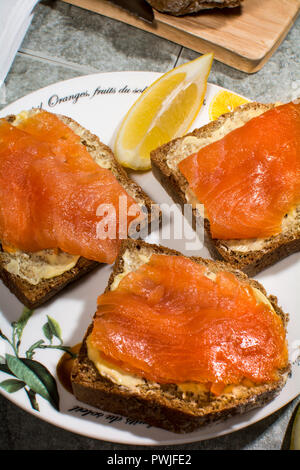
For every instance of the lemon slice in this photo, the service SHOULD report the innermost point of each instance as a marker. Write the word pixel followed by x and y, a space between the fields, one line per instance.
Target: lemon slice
pixel 295 438
pixel 165 110
pixel 224 102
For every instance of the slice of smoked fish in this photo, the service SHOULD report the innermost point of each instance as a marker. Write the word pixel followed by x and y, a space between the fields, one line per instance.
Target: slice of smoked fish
pixel 169 322
pixel 51 189
pixel 250 179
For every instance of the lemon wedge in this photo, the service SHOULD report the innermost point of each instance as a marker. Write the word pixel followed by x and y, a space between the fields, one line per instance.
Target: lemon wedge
pixel 224 102
pixel 165 110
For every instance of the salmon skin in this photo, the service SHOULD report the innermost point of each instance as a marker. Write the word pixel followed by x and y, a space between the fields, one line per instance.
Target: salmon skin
pixel 172 321
pixel 250 179
pixel 51 188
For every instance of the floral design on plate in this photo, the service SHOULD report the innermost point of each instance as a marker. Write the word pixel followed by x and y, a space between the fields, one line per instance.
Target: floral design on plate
pixel 27 373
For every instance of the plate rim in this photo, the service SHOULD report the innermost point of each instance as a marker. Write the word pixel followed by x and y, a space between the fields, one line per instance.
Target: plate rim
pixel 45 417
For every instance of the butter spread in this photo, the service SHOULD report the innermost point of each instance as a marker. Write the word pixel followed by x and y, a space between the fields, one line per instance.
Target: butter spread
pixel 192 199
pixel 133 261
pixel 191 387
pixel 201 389
pixel 34 267
pixel 22 116
pixel 253 244
pixel 111 371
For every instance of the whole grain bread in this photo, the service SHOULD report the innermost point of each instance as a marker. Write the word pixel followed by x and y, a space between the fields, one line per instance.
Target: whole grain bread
pixel 35 295
pixel 166 406
pixel 251 256
pixel 184 7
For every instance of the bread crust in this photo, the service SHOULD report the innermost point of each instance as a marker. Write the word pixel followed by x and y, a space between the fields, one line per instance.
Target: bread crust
pixel 33 296
pixel 184 7
pixel 251 262
pixel 164 406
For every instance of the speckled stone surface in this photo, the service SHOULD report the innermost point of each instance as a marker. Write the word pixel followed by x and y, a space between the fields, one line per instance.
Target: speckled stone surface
pixel 19 430
pixel 65 42
pixel 79 36
pixel 29 74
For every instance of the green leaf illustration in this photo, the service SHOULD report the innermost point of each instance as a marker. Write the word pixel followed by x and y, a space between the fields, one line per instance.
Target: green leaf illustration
pixel 36 376
pixel 2 335
pixel 55 328
pixel 30 351
pixel 47 331
pixel 46 377
pixel 32 398
pixel 4 368
pixel 66 349
pixel 12 385
pixel 19 326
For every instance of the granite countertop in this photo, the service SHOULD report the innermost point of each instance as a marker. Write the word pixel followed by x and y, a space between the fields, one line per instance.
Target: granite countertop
pixel 64 42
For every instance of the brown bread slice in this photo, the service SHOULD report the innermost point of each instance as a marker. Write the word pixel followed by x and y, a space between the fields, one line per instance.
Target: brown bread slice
pixel 166 406
pixel 183 7
pixel 251 256
pixel 35 295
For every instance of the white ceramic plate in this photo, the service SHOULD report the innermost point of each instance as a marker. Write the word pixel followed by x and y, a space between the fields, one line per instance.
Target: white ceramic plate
pixel 99 102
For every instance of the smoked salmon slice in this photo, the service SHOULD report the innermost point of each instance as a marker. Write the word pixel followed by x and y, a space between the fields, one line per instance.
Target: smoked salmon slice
pixel 250 179
pixel 172 321
pixel 51 189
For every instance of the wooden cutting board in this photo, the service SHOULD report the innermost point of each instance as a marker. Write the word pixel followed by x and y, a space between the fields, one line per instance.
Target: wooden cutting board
pixel 243 38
